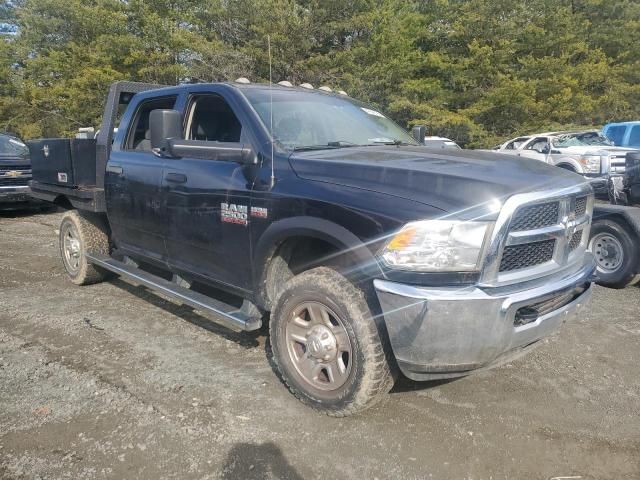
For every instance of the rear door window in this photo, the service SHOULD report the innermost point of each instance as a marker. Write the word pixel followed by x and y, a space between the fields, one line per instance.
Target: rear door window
pixel 138 137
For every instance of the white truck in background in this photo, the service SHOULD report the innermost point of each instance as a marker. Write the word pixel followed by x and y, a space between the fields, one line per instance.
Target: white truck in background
pixel 587 153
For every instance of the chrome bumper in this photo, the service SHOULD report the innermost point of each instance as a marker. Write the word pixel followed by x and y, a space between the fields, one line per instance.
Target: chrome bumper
pixel 15 194
pixel 448 332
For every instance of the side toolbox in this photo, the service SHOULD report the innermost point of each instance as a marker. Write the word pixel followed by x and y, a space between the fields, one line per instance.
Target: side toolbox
pixel 66 168
pixel 64 162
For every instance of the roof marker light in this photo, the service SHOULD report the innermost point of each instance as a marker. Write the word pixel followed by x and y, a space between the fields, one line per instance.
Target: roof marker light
pixel 324 88
pixel 285 83
pixel 342 92
pixel 307 86
pixel 242 80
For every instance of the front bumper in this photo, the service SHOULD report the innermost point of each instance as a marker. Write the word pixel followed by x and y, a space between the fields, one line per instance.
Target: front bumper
pixel 15 194
pixel 448 332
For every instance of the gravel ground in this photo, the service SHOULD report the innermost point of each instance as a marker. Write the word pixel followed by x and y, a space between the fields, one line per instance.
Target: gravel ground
pixel 110 381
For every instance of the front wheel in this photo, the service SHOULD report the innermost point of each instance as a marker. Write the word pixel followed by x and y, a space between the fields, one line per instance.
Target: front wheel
pixel 326 344
pixel 615 253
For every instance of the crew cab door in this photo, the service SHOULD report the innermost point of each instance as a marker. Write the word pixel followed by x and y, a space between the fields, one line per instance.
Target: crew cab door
pixel 132 187
pixel 207 201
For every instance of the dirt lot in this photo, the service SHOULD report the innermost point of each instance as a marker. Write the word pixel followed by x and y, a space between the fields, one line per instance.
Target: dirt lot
pixel 109 381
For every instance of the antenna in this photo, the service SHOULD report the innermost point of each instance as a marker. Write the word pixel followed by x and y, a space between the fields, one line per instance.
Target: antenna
pixel 273 177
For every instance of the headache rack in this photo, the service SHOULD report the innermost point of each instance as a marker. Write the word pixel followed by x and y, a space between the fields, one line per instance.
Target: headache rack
pixel 73 168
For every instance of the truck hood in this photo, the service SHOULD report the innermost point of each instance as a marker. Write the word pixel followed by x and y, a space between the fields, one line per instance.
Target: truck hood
pixel 465 183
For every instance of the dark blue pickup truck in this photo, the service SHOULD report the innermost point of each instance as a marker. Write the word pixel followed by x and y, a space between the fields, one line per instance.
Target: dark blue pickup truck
pixel 367 252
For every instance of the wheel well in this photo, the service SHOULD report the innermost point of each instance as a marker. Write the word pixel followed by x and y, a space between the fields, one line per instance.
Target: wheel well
pixel 567 166
pixel 298 254
pixel 63 202
pixel 616 218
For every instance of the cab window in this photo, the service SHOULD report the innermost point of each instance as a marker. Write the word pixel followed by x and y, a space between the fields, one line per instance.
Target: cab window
pixel 634 136
pixel 539 144
pixel 211 119
pixel 616 134
pixel 515 144
pixel 138 137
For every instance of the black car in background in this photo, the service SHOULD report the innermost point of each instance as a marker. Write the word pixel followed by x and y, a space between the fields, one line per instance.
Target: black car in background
pixel 15 172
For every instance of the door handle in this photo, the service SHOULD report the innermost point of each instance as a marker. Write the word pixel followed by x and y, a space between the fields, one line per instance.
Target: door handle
pixel 175 177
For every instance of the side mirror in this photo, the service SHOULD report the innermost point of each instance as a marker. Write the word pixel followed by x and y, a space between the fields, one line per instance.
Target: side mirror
pixel 164 125
pixel 419 132
pixel 166 140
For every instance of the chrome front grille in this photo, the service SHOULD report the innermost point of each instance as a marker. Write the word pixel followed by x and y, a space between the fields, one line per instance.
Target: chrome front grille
pixel 20 168
pixel 14 175
pixel 14 182
pixel 576 238
pixel 515 257
pixel 535 216
pixel 537 234
pixel 617 163
pixel 581 206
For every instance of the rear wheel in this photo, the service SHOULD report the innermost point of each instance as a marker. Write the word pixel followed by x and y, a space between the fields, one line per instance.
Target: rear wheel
pixel 615 253
pixel 80 234
pixel 326 344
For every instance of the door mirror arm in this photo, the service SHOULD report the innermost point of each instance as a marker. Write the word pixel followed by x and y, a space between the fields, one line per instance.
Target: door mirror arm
pixel 221 151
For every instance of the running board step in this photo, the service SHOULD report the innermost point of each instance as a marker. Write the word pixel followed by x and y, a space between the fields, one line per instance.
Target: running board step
pixel 224 314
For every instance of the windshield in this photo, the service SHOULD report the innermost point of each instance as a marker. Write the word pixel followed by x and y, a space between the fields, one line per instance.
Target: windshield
pixel 312 120
pixel 582 139
pixel 12 147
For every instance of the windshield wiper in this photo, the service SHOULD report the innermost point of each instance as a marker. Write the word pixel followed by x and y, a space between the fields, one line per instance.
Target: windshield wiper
pixel 395 141
pixel 326 146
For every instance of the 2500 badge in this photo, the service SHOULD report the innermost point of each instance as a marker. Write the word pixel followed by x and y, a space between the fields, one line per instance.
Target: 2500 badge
pixel 232 213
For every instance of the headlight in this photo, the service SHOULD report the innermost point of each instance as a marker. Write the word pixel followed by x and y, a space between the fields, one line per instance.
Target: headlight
pixel 591 163
pixel 437 246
